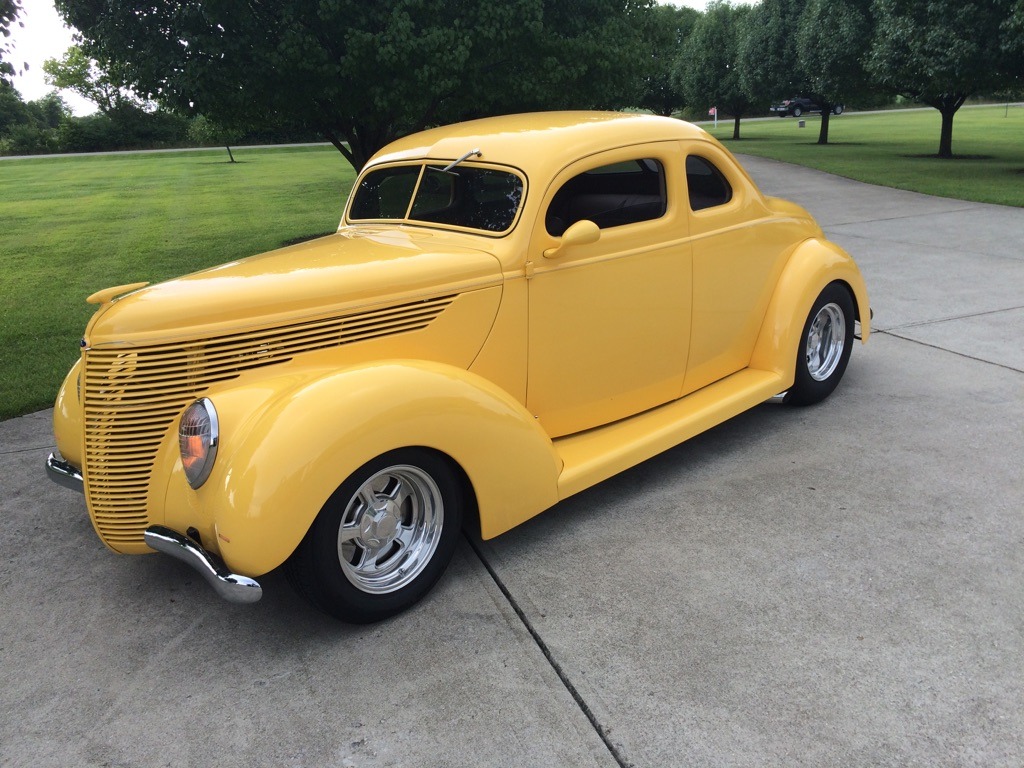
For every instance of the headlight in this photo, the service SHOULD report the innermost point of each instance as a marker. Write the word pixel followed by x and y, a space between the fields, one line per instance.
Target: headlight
pixel 198 436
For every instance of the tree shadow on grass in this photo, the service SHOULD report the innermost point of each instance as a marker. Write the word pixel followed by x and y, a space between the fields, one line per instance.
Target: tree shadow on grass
pixel 954 157
pixel 306 238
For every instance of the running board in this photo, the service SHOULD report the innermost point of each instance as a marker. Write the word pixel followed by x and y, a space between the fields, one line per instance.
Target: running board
pixel 597 454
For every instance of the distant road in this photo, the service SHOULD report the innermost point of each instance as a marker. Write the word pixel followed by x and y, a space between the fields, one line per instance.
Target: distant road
pixel 176 149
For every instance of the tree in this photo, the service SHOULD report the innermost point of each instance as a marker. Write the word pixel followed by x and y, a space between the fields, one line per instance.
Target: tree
pixel 830 58
pixel 13 110
pixel 938 53
pixel 709 69
pixel 9 10
pixel 206 132
pixel 768 62
pixel 665 31
pixel 363 73
pixel 32 127
pixel 50 110
pixel 76 72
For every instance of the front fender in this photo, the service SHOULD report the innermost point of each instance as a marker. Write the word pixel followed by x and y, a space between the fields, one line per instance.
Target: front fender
pixel 279 463
pixel 814 264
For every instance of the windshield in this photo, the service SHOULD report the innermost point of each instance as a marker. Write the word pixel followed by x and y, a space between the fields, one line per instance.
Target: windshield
pixel 467 196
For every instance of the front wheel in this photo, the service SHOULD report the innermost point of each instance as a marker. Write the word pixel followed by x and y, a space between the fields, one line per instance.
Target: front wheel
pixel 825 346
pixel 383 539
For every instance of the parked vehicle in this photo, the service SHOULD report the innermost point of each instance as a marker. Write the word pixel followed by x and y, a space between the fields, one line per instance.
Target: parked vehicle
pixel 800 105
pixel 511 310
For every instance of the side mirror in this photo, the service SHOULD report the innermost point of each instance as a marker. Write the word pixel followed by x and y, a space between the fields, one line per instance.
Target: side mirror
pixel 582 232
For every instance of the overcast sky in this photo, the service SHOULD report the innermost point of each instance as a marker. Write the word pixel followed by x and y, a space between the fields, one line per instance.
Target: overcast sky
pixel 44 36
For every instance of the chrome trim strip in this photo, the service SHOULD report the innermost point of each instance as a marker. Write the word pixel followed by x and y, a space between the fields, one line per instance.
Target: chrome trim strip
pixel 230 586
pixel 62 473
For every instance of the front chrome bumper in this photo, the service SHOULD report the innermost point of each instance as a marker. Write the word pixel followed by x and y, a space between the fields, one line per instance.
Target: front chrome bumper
pixel 64 474
pixel 230 586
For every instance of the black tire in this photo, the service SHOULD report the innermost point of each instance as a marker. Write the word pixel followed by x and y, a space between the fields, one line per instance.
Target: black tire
pixel 797 111
pixel 363 563
pixel 837 109
pixel 825 346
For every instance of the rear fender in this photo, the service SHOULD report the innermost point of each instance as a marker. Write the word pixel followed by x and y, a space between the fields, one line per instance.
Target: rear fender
pixel 813 265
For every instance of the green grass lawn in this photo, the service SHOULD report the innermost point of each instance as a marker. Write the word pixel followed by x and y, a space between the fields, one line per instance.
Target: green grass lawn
pixel 72 226
pixel 897 149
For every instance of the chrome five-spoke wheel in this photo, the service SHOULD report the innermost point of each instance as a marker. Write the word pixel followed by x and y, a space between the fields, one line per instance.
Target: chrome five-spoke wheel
pixel 383 538
pixel 390 529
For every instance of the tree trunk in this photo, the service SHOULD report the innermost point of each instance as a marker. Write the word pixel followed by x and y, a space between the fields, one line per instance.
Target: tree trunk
pixel 736 127
pixel 826 113
pixel 946 136
pixel 947 104
pixel 230 156
pixel 343 148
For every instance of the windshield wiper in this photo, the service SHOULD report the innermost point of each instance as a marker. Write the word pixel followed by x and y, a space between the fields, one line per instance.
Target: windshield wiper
pixel 466 156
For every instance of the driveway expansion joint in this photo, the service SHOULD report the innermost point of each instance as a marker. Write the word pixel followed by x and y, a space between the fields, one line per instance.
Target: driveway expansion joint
pixel 30 449
pixel 889 332
pixel 602 732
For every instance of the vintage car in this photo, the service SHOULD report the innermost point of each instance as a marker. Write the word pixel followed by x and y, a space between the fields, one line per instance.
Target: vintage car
pixel 511 310
pixel 801 105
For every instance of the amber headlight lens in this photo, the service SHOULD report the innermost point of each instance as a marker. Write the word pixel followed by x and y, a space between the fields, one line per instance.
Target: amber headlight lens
pixel 198 435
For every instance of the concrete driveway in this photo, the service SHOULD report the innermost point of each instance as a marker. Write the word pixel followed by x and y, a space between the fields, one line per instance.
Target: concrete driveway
pixel 838 585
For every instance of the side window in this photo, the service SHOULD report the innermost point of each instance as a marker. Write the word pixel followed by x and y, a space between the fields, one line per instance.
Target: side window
pixel 610 196
pixel 706 184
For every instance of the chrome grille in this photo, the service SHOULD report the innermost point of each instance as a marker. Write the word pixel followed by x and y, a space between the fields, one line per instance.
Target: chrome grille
pixel 132 395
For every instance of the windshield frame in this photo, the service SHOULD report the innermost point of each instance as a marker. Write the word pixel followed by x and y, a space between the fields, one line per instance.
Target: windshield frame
pixel 423 164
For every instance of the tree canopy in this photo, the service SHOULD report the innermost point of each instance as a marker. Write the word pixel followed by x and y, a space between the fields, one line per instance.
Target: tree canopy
pixel 76 72
pixel 769 68
pixel 365 73
pixel 666 30
pixel 1013 43
pixel 939 53
pixel 829 54
pixel 709 68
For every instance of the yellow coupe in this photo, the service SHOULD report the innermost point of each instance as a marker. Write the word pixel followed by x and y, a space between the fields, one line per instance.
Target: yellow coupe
pixel 512 310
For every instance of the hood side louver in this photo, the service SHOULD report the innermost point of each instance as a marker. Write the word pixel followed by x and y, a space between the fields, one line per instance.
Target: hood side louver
pixel 133 394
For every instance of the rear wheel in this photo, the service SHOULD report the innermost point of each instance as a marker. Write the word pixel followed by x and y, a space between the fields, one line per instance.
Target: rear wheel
pixel 797 111
pixel 837 109
pixel 825 346
pixel 383 539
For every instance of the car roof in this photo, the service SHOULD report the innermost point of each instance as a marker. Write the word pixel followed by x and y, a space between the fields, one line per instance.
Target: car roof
pixel 539 143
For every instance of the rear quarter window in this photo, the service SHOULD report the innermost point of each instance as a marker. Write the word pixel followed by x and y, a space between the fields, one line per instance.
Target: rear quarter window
pixel 706 185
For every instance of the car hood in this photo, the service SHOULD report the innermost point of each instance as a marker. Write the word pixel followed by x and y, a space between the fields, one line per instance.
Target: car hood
pixel 355 268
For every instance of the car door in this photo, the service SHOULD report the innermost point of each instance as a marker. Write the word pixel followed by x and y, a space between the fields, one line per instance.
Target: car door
pixel 609 320
pixel 739 251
